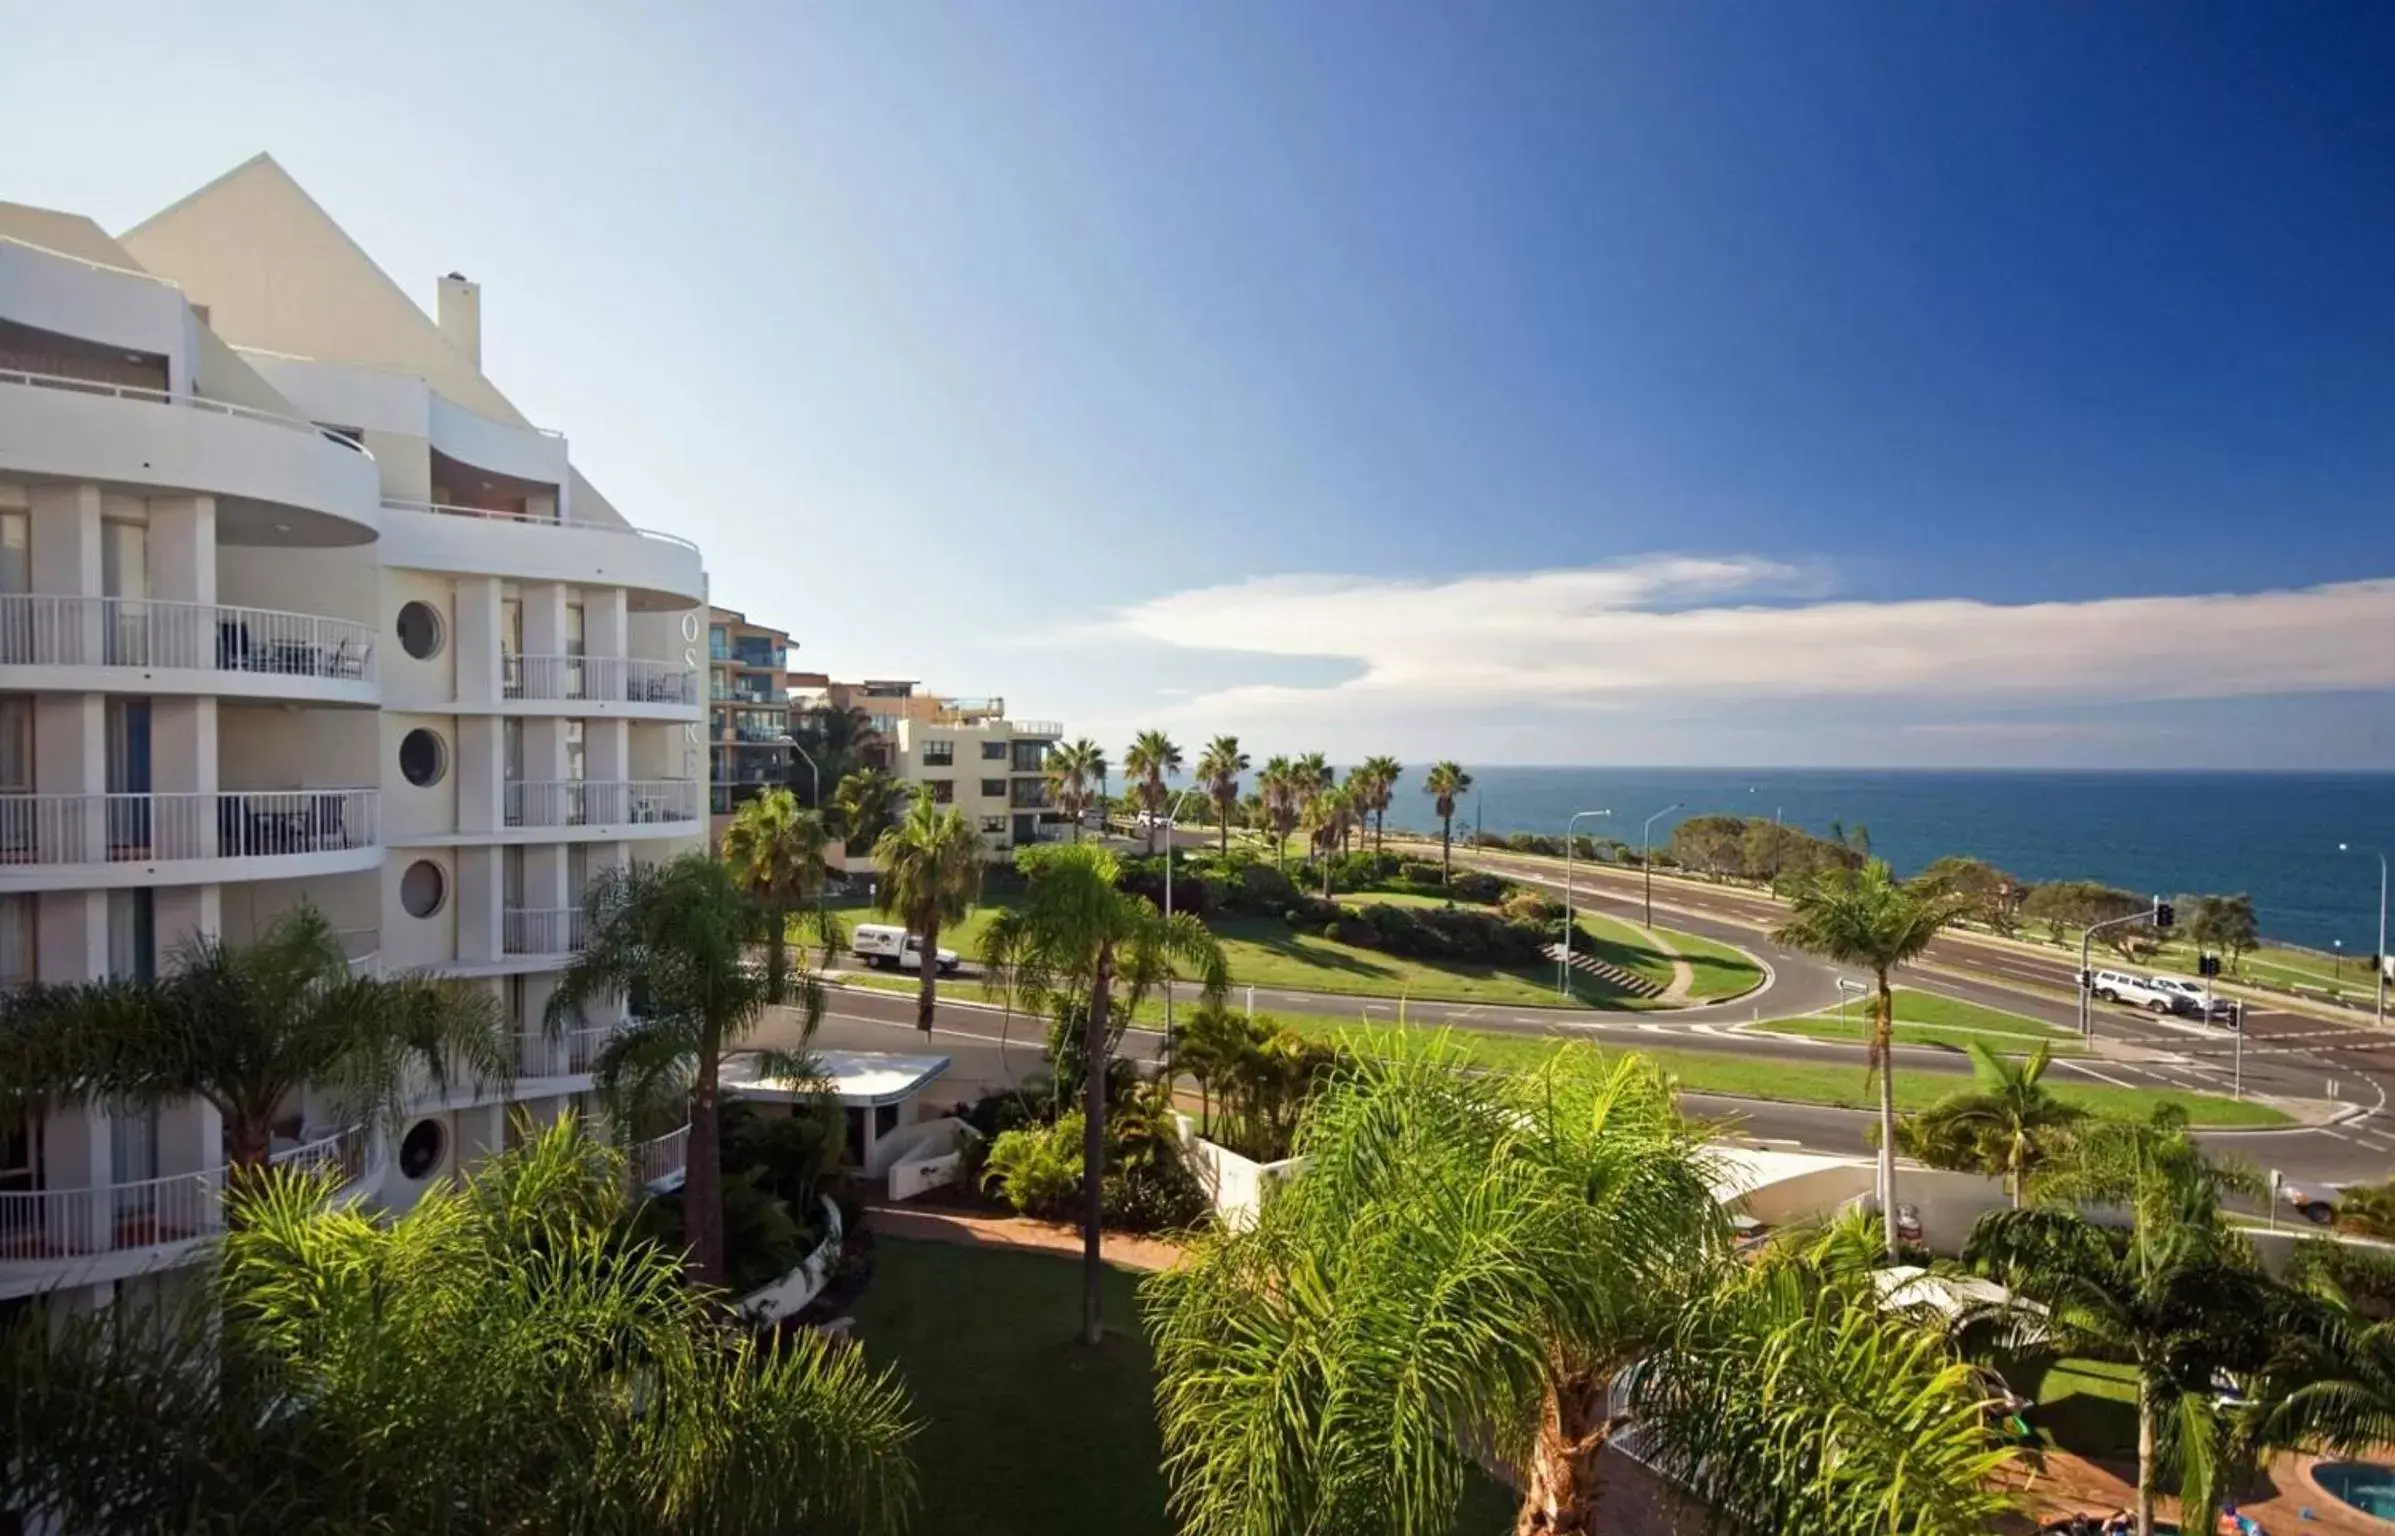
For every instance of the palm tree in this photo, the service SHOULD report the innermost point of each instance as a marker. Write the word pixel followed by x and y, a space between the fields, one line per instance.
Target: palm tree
pixel 2330 1386
pixel 676 938
pixel 1379 776
pixel 2177 1296
pixel 1309 778
pixel 866 804
pixel 1073 774
pixel 248 1028
pixel 498 1358
pixel 1277 783
pixel 1152 758
pixel 1329 817
pixel 776 853
pixel 930 877
pixel 1470 1265
pixel 841 740
pixel 1076 936
pixel 1218 768
pixel 1445 784
pixel 1866 917
pixel 2009 1124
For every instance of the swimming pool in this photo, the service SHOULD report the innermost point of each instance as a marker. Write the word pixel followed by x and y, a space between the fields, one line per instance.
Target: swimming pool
pixel 2365 1485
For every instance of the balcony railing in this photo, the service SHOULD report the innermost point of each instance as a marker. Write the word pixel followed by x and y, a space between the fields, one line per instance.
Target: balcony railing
pixel 662 1158
pixel 571 1054
pixel 542 931
pixel 599 802
pixel 1044 730
pixel 363 949
pixel 447 509
pixel 630 679
pixel 140 829
pixel 43 631
pixel 148 1213
pixel 185 402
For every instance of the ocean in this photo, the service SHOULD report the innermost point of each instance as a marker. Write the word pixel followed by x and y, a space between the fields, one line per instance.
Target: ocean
pixel 2271 835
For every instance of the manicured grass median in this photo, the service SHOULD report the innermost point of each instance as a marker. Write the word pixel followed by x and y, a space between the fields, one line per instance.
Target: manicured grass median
pixel 1721 970
pixel 1025 1431
pixel 1836 1083
pixel 1924 1018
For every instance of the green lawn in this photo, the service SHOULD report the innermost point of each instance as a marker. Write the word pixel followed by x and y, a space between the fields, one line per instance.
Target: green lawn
pixel 1924 1018
pixel 1833 1082
pixel 1721 970
pixel 2085 1406
pixel 1023 1429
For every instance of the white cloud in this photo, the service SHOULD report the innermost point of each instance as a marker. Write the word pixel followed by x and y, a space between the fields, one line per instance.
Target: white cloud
pixel 1676 628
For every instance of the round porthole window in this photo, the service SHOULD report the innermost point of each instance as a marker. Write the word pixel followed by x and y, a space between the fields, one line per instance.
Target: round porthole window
pixel 423 888
pixel 420 630
pixel 423 757
pixel 420 1149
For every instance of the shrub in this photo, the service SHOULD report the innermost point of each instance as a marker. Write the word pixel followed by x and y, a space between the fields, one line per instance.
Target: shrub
pixel 1355 871
pixel 1037 1169
pixel 1262 888
pixel 1524 905
pixel 1478 886
pixel 1418 872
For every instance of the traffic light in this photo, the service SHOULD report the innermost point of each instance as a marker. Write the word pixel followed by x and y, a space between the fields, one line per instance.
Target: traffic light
pixel 2086 979
pixel 2207 965
pixel 2164 914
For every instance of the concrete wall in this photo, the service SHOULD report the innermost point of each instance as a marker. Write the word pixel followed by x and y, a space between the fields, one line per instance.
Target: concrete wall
pixel 275 746
pixel 1238 1186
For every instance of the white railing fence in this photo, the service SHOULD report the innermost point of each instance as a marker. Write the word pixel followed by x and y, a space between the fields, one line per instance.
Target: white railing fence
pixel 42 631
pixel 186 402
pixel 568 1054
pixel 631 679
pixel 661 1158
pixel 551 520
pixel 148 1213
pixel 134 829
pixel 542 931
pixel 598 802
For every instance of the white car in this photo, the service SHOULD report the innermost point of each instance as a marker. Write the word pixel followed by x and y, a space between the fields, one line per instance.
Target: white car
pixel 2136 991
pixel 2191 997
pixel 893 948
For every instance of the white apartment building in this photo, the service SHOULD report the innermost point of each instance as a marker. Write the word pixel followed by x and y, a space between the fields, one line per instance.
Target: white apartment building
pixel 295 605
pixel 967 753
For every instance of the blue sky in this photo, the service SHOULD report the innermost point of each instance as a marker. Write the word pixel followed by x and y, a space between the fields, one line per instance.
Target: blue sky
pixel 1626 383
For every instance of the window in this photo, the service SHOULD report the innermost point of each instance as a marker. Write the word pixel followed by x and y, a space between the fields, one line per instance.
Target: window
pixel 16 1151
pixel 420 1150
pixel 1030 756
pixel 993 826
pixel 939 754
pixel 423 888
pixel 16 552
pixel 574 750
pixel 993 751
pixel 515 1007
pixel 16 745
pixel 719 644
pixel 423 758
pixel 943 791
pixel 993 789
pixel 124 559
pixel 132 934
pixel 511 626
pixel 885 1120
pixel 16 939
pixel 419 629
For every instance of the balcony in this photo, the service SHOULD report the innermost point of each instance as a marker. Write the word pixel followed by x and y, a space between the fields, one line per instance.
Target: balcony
pixel 599 802
pixel 611 679
pixel 659 571
pixel 1042 730
pixel 542 931
pixel 574 1053
pixel 47 1224
pixel 660 1161
pixel 120 838
pixel 218 649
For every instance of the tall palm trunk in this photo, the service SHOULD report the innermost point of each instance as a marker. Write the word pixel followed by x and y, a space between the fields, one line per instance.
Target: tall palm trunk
pixel 927 989
pixel 1559 1496
pixel 1223 811
pixel 2145 1454
pixel 1883 1031
pixel 1093 1147
pixel 1447 848
pixel 777 954
pixel 702 1167
pixel 249 1144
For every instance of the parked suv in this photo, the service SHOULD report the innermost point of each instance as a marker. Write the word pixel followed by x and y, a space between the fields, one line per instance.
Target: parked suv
pixel 2136 991
pixel 2191 997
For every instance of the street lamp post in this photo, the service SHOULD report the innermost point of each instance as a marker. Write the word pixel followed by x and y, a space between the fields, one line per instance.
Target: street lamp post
pixel 1563 980
pixel 1170 812
pixel 1646 854
pixel 2378 1008
pixel 822 922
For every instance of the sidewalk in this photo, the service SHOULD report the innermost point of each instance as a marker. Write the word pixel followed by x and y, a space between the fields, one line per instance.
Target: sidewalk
pixel 971 1230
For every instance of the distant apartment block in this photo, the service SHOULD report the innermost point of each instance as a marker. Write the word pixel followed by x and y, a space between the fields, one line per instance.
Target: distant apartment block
pixel 748 713
pixel 964 752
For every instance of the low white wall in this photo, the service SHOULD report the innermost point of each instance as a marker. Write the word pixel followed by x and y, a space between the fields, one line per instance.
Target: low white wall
pixel 1237 1186
pixel 913 1176
pixel 794 1290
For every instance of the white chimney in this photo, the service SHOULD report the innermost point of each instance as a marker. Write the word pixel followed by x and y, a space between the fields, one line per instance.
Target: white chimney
pixel 461 315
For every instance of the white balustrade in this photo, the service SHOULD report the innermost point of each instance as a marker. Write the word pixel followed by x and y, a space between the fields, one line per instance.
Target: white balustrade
pixel 42 631
pixel 568 1054
pixel 152 828
pixel 185 402
pixel 447 509
pixel 661 1158
pixel 633 680
pixel 598 802
pixel 149 1213
pixel 542 930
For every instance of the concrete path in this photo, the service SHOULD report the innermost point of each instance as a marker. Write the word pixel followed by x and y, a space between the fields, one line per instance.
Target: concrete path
pixel 973 1229
pixel 1683 974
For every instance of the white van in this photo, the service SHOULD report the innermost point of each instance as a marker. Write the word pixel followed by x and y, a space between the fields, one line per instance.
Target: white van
pixel 893 948
pixel 2136 991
